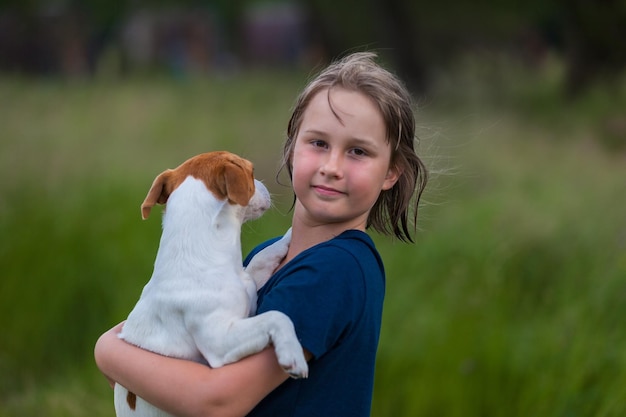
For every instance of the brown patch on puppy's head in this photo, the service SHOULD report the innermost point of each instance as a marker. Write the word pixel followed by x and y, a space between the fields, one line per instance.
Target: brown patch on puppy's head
pixel 225 174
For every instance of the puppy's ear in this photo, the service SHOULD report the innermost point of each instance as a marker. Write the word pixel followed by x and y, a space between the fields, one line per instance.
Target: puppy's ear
pixel 238 184
pixel 158 193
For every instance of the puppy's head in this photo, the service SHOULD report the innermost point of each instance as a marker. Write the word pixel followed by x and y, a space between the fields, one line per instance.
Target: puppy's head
pixel 226 175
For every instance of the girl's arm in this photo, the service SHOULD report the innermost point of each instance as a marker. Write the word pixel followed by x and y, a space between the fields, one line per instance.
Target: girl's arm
pixel 187 388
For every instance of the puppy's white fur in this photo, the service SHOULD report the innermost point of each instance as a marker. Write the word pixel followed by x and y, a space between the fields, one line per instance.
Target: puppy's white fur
pixel 198 301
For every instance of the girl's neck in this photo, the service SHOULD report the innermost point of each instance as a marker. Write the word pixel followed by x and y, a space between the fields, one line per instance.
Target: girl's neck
pixel 306 235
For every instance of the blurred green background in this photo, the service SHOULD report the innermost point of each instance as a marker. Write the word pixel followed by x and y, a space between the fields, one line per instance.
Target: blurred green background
pixel 512 299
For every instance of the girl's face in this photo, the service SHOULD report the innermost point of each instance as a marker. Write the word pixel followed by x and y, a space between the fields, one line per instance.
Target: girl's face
pixel 340 162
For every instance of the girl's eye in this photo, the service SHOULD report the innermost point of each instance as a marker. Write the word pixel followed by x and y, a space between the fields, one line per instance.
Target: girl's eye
pixel 318 143
pixel 359 152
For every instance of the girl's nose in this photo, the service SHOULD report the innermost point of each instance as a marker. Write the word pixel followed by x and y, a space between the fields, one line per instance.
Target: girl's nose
pixel 332 165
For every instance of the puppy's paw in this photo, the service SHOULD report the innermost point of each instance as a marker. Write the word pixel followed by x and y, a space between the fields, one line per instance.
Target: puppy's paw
pixel 264 263
pixel 277 251
pixel 286 239
pixel 293 362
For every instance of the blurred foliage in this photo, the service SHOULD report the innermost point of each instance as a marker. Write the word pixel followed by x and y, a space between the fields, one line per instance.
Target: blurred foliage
pixel 418 37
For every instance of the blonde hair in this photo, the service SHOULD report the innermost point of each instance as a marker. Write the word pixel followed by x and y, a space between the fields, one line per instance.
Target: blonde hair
pixel 397 207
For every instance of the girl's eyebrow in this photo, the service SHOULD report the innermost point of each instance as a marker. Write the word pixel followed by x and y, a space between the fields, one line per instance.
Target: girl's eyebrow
pixel 363 141
pixel 316 132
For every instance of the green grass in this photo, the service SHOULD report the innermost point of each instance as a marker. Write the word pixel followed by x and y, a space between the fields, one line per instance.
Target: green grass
pixel 509 304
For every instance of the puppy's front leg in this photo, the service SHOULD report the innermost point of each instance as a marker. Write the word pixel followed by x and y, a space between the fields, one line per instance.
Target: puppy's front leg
pixel 247 336
pixel 251 290
pixel 264 263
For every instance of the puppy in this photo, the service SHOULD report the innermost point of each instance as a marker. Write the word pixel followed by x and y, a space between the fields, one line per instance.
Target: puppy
pixel 198 302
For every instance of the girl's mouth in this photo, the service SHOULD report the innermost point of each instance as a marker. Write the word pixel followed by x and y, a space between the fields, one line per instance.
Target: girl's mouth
pixel 327 191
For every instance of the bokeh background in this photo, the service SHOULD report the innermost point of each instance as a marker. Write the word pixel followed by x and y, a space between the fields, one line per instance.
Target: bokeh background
pixel 510 303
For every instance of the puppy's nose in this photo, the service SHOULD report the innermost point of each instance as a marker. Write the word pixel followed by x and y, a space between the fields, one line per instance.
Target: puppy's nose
pixel 264 193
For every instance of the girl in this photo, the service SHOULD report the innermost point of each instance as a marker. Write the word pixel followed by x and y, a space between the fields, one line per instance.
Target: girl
pixel 350 157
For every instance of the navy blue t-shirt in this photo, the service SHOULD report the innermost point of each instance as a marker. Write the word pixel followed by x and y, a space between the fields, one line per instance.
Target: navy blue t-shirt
pixel 333 293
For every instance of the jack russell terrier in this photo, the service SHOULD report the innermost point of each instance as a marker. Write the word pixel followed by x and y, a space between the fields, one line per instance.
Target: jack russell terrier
pixel 200 301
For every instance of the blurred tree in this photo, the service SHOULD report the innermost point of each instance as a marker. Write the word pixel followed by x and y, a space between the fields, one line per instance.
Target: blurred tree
pixel 594 34
pixel 419 36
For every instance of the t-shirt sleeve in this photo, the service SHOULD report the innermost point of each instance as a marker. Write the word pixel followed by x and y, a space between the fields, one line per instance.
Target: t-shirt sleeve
pixel 323 294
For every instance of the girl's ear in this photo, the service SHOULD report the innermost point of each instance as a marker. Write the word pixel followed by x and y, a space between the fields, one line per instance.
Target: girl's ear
pixel 393 174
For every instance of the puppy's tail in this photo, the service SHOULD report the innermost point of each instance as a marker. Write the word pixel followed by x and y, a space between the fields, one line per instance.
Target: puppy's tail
pixel 131 399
